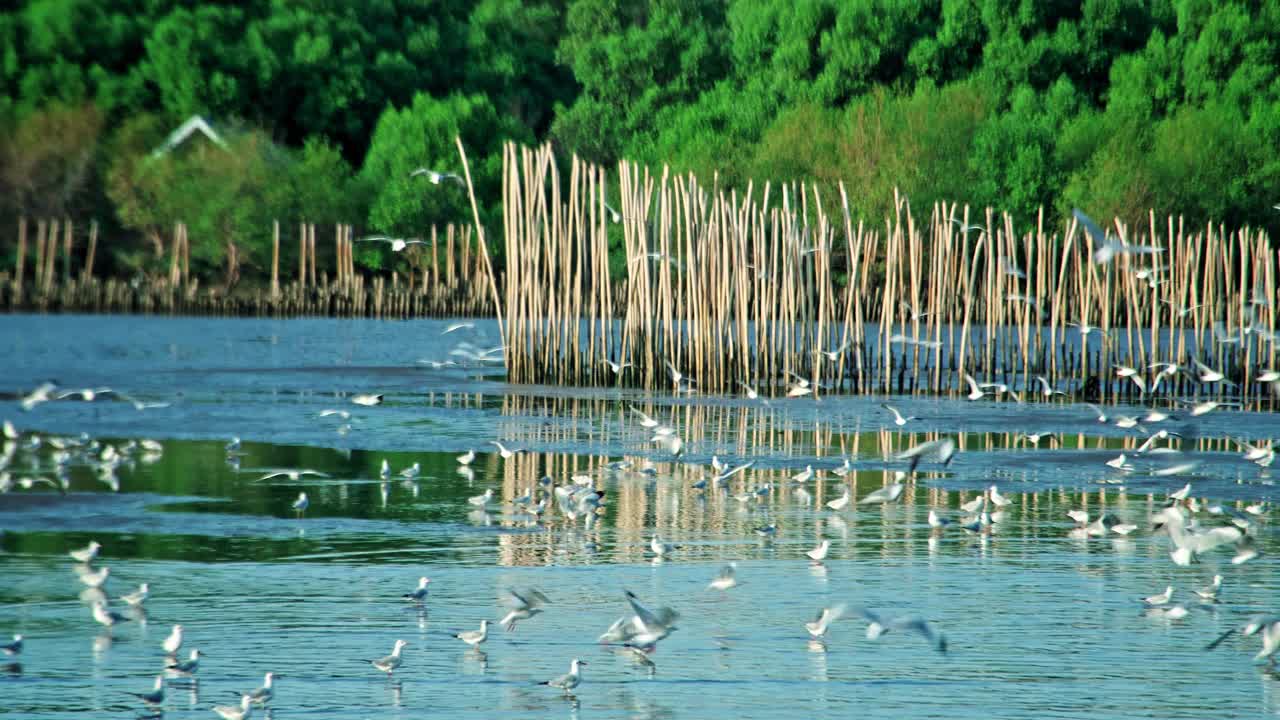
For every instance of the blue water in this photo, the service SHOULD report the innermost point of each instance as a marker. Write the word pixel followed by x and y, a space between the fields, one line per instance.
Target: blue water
pixel 1039 623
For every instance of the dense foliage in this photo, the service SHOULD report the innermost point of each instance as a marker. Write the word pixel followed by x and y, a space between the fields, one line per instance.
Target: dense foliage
pixel 1118 106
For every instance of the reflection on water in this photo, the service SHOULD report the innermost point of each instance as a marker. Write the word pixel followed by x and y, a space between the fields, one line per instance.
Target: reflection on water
pixel 1042 619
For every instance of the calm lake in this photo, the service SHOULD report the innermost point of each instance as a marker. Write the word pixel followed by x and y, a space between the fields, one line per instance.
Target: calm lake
pixel 1040 620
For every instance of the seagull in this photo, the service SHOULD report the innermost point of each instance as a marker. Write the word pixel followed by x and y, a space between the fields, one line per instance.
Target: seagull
pixel 1209 375
pixel 367 399
pixel 389 663
pixel 300 505
pixel 942 450
pixel 96 579
pixel 342 414
pixel 897 416
pixel 420 593
pixel 475 637
pixel 878 626
pixel 397 244
pixel 454 327
pixel 614 215
pixel 436 177
pixel 936 521
pixel 467 458
pixel 1210 593
pixel 823 620
pixel 975 392
pixel 660 548
pixel 263 695
pixel 997 499
pixel 12 648
pixel 522 606
pixel 1269 626
pixel 1159 598
pixel 174 641
pixel 137 597
pixel 40 395
pixel 481 501
pixel 292 474
pixel 1132 373
pixel 1102 416
pixel 156 696
pixel 411 472
pixel 819 553
pixel 888 494
pixel 615 367
pixel 86 554
pixel 804 475
pixel 570 680
pixel 184 667
pixel 236 712
pixel 105 617
pixel 503 451
pixel 726 579
pixel 750 391
pixel 841 502
pixel 966 228
pixel 1046 389
pixel 86 394
pixel 1108 247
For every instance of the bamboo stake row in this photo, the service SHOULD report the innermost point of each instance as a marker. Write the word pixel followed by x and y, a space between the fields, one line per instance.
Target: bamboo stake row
pixel 766 289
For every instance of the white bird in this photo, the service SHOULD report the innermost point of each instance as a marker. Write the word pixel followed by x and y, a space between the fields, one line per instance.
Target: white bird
pixel 419 593
pixel 997 499
pixel 522 606
pixel 750 391
pixel 12 648
pixel 475 637
pixel 726 579
pixel 342 414
pixel 975 392
pixel 505 452
pixel 243 711
pixel 397 244
pixel 942 450
pixel 804 475
pixel 898 419
pixel 173 642
pixel 86 394
pixel 137 597
pixel 877 626
pixel 841 502
pixel 569 680
pixel 292 474
pixel 41 394
pixel 1209 375
pixel 1046 389
pixel 96 579
pixel 1211 591
pixel 819 553
pixel 263 695
pixel 367 399
pixel 106 617
pixel 659 548
pixel 156 696
pixel 822 621
pixel 482 500
pixel 1107 247
pixel 454 327
pixel 645 420
pixel 936 521
pixel 184 667
pixel 467 458
pixel 86 554
pixel 301 504
pixel 436 177
pixel 887 494
pixel 615 367
pixel 1159 598
pixel 389 663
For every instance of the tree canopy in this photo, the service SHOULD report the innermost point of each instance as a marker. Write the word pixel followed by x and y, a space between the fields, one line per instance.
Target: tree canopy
pixel 1118 106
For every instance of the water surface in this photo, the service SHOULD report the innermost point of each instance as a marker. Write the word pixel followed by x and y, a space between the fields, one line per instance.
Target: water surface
pixel 1039 623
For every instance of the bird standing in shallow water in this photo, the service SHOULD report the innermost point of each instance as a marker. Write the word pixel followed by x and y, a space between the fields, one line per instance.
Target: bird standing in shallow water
pixel 570 680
